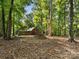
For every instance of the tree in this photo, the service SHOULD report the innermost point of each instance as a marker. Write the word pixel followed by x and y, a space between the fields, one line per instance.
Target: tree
pixel 64 20
pixel 50 19
pixel 71 32
pixel 10 21
pixel 3 19
pixel 40 13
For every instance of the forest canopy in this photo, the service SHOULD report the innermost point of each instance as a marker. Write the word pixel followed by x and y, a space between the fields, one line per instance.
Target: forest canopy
pixel 50 17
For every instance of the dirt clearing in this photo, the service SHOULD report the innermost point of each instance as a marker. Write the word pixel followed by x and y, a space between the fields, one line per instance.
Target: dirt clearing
pixel 32 47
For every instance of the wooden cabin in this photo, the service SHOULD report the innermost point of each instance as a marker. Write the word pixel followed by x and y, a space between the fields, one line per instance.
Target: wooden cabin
pixel 30 31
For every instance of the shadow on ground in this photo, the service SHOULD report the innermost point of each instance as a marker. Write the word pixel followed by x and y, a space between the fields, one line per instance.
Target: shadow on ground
pixel 33 47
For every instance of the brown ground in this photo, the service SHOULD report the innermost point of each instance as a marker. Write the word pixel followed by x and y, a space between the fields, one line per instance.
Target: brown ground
pixel 33 47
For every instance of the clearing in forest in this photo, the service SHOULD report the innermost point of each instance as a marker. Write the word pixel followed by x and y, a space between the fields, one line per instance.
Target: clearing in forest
pixel 34 47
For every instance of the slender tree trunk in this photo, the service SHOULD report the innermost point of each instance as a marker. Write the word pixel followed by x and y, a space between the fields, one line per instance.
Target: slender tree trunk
pixel 3 19
pixel 41 23
pixel 50 20
pixel 10 21
pixel 41 20
pixel 59 25
pixel 71 32
pixel 13 27
pixel 64 20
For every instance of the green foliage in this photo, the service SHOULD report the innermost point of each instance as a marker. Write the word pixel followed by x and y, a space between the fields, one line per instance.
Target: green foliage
pixel 29 23
pixel 40 15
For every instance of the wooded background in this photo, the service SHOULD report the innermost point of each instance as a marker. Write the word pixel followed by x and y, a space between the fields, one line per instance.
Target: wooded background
pixel 50 17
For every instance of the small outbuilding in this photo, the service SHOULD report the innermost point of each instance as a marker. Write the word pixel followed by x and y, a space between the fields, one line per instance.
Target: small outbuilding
pixel 30 31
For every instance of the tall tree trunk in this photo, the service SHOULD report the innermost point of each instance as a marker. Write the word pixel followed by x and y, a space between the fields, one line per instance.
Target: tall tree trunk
pixel 41 23
pixel 10 21
pixel 3 19
pixel 71 32
pixel 59 28
pixel 41 20
pixel 50 20
pixel 13 27
pixel 64 20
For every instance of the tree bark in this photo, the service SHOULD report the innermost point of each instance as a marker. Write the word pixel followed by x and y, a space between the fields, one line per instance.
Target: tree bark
pixel 64 20
pixel 3 19
pixel 13 27
pixel 59 28
pixel 50 20
pixel 10 21
pixel 71 32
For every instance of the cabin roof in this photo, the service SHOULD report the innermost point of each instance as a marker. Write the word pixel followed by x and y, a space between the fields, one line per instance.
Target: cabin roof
pixel 30 29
